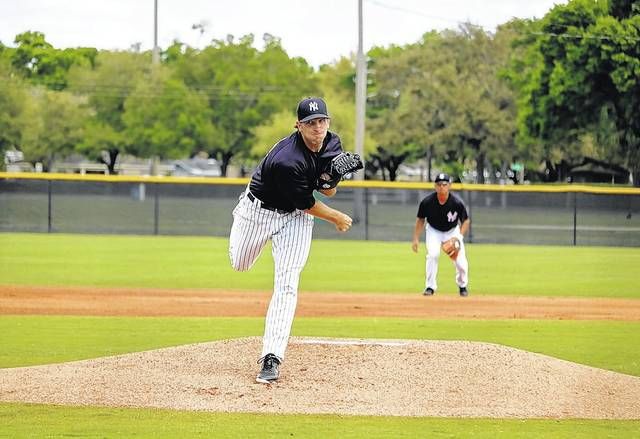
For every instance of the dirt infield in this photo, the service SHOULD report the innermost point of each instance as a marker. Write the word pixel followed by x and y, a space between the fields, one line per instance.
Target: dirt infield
pixel 348 377
pixel 218 303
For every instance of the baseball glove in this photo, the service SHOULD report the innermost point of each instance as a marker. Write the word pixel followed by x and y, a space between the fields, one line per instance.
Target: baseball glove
pixel 451 247
pixel 341 165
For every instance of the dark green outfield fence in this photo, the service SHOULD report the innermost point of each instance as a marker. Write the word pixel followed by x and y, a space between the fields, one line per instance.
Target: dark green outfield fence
pixel 535 214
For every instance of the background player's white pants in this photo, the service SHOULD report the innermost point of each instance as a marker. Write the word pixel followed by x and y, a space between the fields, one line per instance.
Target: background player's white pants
pixel 290 234
pixel 434 239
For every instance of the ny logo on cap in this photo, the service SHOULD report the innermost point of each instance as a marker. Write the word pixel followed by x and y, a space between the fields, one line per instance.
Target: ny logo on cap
pixel 313 106
pixel 441 177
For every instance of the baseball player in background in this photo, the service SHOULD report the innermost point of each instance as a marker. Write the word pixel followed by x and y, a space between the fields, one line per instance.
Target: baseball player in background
pixel 278 204
pixel 447 221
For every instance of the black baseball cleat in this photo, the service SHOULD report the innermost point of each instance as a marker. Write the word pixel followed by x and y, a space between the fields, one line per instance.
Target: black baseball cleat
pixel 428 292
pixel 269 372
pixel 464 292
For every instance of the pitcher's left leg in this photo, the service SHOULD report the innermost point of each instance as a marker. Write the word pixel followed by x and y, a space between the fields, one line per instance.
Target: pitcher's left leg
pixel 291 247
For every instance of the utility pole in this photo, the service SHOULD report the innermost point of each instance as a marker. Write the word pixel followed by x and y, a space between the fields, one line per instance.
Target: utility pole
pixel 359 214
pixel 155 56
pixel 361 93
pixel 155 61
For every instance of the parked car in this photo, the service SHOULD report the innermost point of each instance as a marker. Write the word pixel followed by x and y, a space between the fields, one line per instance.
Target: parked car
pixel 196 168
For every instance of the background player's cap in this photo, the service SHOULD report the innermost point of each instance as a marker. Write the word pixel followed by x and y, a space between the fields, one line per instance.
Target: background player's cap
pixel 312 108
pixel 443 177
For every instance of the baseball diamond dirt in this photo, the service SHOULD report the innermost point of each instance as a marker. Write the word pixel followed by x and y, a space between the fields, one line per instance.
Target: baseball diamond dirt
pixel 221 303
pixel 342 376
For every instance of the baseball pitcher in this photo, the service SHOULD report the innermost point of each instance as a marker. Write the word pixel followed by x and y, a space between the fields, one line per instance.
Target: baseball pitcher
pixel 278 204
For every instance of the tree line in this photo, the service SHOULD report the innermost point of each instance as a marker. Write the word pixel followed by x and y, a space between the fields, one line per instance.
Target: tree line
pixel 547 95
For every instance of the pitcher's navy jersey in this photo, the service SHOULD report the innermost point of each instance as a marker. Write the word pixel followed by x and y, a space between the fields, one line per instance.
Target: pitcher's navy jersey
pixel 287 176
pixel 443 217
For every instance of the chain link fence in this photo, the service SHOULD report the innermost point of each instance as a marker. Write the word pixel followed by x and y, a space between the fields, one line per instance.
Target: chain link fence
pixel 67 203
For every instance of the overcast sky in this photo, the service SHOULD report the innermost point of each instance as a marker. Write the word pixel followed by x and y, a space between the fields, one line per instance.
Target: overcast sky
pixel 319 31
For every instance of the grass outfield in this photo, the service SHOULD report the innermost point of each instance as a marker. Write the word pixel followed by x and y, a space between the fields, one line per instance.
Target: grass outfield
pixel 52 421
pixel 30 340
pixel 353 266
pixel 46 339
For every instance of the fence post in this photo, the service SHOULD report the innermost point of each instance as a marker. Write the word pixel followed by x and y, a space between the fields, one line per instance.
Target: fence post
pixel 156 208
pixel 575 218
pixel 49 183
pixel 469 210
pixel 366 214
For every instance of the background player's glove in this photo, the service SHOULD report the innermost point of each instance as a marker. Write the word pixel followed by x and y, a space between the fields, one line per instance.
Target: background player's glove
pixel 341 165
pixel 451 247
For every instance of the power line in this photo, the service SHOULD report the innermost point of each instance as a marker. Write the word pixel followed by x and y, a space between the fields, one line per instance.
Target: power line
pixel 585 36
pixel 212 92
pixel 411 11
pixel 484 28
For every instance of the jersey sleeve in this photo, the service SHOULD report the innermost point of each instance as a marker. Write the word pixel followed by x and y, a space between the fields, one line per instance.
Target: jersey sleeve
pixel 332 149
pixel 334 146
pixel 463 215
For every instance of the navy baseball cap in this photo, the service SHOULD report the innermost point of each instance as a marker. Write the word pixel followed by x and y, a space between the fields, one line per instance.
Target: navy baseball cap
pixel 312 108
pixel 443 177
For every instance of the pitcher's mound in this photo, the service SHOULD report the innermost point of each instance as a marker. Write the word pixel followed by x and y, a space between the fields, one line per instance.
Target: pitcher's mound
pixel 354 377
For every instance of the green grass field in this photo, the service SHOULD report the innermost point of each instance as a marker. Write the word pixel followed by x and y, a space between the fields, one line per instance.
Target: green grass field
pixel 349 266
pixel 352 266
pixel 30 340
pixel 28 421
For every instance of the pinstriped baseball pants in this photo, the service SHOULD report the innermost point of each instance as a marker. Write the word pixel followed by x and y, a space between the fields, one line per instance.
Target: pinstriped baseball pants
pixel 290 235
